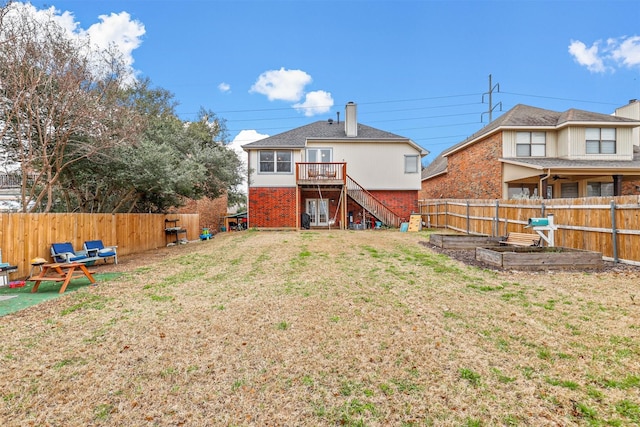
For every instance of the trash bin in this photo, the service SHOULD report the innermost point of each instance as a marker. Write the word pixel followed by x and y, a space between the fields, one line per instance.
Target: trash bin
pixel 306 221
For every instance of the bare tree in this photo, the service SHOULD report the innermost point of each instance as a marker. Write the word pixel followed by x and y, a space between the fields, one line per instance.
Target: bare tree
pixel 60 102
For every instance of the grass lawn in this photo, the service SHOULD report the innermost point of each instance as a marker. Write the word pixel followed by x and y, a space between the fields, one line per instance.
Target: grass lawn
pixel 326 328
pixel 15 299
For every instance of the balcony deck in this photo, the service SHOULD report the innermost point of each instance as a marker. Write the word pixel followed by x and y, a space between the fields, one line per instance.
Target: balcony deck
pixel 325 174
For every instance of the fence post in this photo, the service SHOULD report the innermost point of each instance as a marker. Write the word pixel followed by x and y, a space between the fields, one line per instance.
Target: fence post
pixel 468 219
pixel 446 214
pixel 614 231
pixel 496 224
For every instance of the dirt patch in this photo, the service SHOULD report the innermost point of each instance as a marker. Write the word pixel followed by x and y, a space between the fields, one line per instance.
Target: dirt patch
pixel 469 258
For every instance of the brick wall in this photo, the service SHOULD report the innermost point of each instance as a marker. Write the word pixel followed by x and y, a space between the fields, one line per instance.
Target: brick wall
pixel 272 207
pixel 476 173
pixel 211 212
pixel 276 207
pixel 473 173
pixel 402 203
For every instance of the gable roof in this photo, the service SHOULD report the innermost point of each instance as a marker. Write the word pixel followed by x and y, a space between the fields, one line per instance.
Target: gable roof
pixel 526 117
pixel 327 130
pixel 436 167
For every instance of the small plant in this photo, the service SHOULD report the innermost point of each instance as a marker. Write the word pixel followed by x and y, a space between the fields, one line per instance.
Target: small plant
pixel 386 389
pixel 585 411
pixel 472 422
pixel 283 326
pixel 103 411
pixel 347 388
pixel 307 380
pixel 471 376
pixel 160 298
pixel 501 377
pixel 544 354
pixel 237 384
pixel 629 409
pixel 571 385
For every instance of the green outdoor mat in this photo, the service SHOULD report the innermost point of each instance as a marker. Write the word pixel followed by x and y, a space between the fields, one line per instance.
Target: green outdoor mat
pixel 21 298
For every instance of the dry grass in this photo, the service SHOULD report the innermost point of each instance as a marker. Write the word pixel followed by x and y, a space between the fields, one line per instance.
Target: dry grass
pixel 324 329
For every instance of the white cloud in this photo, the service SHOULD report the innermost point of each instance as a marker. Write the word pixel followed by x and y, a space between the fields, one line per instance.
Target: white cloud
pixel 628 52
pixel 244 137
pixel 589 57
pixel 224 87
pixel 117 30
pixel 282 85
pixel 317 102
pixel 624 51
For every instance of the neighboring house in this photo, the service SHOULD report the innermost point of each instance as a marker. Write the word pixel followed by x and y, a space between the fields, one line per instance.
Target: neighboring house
pixel 10 192
pixel 339 174
pixel 531 152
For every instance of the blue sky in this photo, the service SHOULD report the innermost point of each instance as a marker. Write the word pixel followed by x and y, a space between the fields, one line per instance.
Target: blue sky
pixel 419 69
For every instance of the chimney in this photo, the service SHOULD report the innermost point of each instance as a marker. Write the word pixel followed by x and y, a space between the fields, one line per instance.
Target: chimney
pixel 350 119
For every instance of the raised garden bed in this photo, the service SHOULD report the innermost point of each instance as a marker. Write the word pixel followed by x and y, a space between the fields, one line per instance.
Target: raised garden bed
pixel 540 258
pixel 462 241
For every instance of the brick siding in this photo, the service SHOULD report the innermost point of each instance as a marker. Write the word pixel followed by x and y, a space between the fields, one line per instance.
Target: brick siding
pixel 272 207
pixel 211 212
pixel 476 173
pixel 472 173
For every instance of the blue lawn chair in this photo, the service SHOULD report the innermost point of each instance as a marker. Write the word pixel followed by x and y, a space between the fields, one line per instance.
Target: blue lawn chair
pixel 96 249
pixel 64 252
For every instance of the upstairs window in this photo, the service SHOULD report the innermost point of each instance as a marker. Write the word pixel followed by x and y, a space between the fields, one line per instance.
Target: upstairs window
pixel 319 155
pixel 531 144
pixel 411 164
pixel 275 161
pixel 601 140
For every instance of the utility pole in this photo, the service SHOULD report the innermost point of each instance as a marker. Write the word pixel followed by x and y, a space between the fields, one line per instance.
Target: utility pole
pixel 492 88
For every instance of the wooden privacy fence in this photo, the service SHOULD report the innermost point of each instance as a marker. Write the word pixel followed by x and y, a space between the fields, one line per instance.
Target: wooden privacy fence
pixel 602 224
pixel 26 236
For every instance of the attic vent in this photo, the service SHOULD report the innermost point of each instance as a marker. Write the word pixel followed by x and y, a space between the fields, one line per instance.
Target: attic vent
pixel 330 121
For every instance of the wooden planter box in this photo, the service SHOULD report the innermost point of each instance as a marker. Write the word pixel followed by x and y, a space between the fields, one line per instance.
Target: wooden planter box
pixel 536 258
pixel 462 241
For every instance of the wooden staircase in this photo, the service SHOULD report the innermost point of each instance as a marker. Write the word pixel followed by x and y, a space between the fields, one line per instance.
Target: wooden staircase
pixel 372 205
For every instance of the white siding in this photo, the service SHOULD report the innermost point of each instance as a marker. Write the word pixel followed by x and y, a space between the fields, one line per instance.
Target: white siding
pixel 377 165
pixel 272 179
pixel 509 142
pixel 577 145
pixel 562 143
pixel 374 165
pixel 631 111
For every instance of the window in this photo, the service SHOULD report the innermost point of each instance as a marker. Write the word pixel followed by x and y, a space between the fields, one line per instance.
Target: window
pixel 531 144
pixel 601 140
pixel 319 155
pixel 599 189
pixel 569 190
pixel 411 164
pixel 523 191
pixel 275 161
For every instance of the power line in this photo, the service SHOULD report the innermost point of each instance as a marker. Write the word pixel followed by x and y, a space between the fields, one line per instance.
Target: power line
pixel 560 99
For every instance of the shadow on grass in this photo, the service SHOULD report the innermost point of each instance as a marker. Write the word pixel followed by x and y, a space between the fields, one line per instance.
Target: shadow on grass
pixel 16 299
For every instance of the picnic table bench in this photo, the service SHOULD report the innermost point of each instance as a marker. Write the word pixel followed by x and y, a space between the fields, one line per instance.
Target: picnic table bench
pixel 61 272
pixel 521 239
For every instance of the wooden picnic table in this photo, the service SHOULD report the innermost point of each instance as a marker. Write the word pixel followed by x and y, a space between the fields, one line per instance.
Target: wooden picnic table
pixel 61 272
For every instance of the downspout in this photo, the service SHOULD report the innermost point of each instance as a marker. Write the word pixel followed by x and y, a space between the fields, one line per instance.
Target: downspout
pixel 543 194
